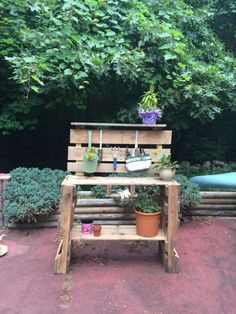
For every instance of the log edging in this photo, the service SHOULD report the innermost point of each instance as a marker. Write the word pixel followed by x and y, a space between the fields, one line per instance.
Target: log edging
pixel 106 211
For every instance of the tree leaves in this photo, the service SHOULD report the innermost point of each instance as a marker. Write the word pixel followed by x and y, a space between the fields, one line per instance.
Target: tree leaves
pixel 76 43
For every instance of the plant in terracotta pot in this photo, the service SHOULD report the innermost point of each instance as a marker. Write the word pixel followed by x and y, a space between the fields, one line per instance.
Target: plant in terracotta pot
pixel 166 167
pixel 90 160
pixel 148 110
pixel 147 213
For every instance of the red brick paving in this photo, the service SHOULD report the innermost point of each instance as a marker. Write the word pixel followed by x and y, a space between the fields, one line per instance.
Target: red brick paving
pixel 122 278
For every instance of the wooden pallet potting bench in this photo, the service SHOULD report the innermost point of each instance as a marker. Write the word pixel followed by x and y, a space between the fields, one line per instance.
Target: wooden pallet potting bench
pixel 151 138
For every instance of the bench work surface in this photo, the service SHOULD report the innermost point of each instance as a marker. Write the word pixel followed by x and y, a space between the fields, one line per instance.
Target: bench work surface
pixel 77 180
pixel 120 232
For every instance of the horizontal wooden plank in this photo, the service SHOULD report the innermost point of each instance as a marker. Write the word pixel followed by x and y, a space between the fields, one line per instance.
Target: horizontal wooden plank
pixel 81 180
pixel 207 212
pixel 102 210
pixel 117 195
pixel 120 125
pixel 104 168
pixel 122 137
pixel 91 202
pixel 106 216
pixel 217 194
pixel 216 206
pixel 218 201
pixel 84 193
pixel 115 233
pixel 76 153
pixel 115 222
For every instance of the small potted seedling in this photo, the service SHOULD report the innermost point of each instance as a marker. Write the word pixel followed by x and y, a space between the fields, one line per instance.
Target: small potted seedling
pixel 96 230
pixel 166 167
pixel 87 226
pixel 148 111
pixel 90 160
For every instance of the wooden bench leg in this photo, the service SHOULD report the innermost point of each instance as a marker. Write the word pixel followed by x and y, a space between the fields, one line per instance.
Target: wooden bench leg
pixel 163 249
pixel 172 265
pixel 62 259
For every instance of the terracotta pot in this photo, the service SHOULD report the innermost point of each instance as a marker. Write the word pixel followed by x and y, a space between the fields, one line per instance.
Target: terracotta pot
pixel 147 224
pixel 96 230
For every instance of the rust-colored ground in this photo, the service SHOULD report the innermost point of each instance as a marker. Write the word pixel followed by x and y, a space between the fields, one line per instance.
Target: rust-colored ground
pixel 121 277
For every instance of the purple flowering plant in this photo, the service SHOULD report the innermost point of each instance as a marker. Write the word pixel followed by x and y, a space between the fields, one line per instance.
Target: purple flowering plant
pixel 148 110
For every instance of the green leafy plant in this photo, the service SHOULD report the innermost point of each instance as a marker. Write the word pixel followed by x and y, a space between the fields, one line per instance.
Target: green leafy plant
pixel 77 222
pixel 149 99
pixel 31 193
pixel 99 191
pixel 165 162
pixel 189 192
pixel 91 154
pixel 146 205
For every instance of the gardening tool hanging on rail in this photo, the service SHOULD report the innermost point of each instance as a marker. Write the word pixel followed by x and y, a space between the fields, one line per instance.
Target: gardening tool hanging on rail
pixel 100 148
pixel 115 152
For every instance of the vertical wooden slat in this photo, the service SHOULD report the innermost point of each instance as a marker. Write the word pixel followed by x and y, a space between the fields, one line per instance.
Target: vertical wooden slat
pixel 173 209
pixel 109 189
pixel 132 189
pixel 68 202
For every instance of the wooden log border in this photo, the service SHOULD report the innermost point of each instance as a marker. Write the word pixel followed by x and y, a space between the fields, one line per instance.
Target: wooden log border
pixel 106 211
pixel 214 203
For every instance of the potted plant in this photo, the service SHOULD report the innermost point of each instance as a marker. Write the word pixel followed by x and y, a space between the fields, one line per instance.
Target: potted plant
pixel 96 230
pixel 86 226
pixel 166 167
pixel 148 110
pixel 147 214
pixel 90 160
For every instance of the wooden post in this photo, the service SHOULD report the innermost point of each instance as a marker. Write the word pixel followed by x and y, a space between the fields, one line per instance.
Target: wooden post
pixel 109 189
pixel 62 260
pixel 4 179
pixel 173 209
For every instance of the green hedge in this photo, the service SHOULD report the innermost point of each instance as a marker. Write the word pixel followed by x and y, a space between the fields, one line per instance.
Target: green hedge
pixel 206 168
pixel 32 192
pixel 189 192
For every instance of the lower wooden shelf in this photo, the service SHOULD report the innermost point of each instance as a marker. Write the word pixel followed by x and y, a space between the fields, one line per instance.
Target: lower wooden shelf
pixel 121 232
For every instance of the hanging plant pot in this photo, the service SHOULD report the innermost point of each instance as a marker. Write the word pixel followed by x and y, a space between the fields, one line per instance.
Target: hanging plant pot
pixel 90 166
pixel 149 116
pixel 147 223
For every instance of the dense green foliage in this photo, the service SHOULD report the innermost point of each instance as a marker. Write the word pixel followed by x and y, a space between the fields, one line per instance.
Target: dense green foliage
pixel 31 193
pixel 207 168
pixel 189 192
pixel 93 60
pixel 79 49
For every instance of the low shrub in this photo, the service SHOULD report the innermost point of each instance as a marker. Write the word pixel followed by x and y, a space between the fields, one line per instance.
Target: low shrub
pixel 32 192
pixel 189 192
pixel 207 167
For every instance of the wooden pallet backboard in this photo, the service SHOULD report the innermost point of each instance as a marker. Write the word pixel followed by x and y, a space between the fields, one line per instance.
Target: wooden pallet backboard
pixel 152 140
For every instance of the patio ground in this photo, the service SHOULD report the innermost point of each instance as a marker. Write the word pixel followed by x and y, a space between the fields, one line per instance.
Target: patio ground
pixel 122 277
